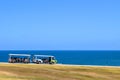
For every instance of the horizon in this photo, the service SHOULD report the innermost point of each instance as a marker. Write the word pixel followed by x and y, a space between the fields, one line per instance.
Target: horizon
pixel 60 25
pixel 59 50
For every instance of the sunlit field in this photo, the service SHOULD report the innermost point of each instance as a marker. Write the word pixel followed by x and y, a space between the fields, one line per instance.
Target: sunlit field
pixel 57 72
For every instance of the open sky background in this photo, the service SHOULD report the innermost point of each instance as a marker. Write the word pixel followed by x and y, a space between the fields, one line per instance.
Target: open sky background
pixel 59 24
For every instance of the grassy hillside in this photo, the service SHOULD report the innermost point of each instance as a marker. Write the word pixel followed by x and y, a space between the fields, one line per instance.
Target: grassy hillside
pixel 57 72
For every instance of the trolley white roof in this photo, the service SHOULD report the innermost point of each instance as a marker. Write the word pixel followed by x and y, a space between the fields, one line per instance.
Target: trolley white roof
pixel 19 55
pixel 44 55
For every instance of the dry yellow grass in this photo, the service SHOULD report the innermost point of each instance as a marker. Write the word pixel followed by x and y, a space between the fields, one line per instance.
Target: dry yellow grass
pixel 57 72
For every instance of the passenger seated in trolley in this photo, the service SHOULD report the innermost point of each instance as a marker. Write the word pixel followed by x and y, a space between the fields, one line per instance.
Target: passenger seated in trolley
pixel 19 58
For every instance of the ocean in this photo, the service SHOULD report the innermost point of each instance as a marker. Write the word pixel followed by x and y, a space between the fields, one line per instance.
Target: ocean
pixel 103 58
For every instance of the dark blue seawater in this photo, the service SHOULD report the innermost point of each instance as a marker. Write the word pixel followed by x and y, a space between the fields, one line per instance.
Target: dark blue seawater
pixel 106 58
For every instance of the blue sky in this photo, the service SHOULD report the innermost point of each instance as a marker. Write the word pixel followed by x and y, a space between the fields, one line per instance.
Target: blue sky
pixel 60 25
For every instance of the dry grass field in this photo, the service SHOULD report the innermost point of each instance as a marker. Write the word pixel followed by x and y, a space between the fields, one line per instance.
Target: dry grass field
pixel 57 72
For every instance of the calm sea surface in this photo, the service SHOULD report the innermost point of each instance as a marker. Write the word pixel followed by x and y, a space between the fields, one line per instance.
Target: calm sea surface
pixel 111 58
